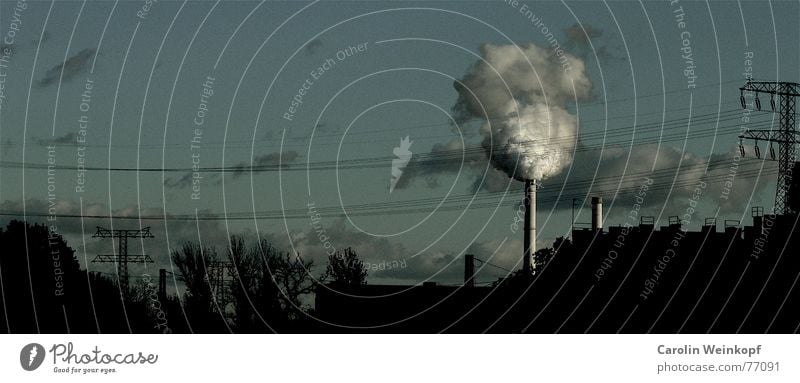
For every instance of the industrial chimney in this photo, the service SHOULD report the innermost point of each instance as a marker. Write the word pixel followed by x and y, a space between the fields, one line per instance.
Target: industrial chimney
pixel 469 270
pixel 529 238
pixel 597 213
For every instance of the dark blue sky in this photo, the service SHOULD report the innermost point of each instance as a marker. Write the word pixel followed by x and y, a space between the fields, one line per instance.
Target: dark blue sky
pixel 393 77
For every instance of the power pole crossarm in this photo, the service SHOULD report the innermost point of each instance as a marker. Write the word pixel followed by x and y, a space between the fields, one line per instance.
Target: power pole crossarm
pixel 767 136
pixel 137 233
pixel 777 88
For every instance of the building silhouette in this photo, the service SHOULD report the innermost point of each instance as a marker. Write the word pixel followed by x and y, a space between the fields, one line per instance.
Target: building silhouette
pixel 722 278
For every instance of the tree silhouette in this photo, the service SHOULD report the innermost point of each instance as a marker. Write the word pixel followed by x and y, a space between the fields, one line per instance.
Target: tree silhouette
pixel 270 286
pixel 192 262
pixel 345 269
pixel 255 303
pixel 542 257
pixel 45 290
pixel 38 271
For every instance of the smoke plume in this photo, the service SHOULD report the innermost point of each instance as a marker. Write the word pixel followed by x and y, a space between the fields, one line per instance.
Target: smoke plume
pixel 521 94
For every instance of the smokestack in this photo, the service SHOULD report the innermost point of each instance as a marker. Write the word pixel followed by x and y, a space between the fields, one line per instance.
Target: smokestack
pixel 597 213
pixel 530 226
pixel 162 286
pixel 469 270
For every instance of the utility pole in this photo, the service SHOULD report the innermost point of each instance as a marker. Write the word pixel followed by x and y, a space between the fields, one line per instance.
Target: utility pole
pixel 785 136
pixel 122 258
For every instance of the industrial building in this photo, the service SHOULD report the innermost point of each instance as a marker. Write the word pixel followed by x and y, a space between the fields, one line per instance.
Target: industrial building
pixel 723 278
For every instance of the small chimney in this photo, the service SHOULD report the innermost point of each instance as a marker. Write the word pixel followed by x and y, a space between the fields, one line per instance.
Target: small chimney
pixel 162 286
pixel 469 270
pixel 597 213
pixel 529 235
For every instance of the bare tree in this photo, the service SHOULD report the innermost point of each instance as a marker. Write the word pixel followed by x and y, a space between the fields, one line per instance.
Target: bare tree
pixel 193 261
pixel 345 269
pixel 270 285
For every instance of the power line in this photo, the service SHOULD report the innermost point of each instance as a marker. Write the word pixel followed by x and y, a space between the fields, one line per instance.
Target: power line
pixel 404 207
pixel 378 162
pixel 493 265
pixel 248 143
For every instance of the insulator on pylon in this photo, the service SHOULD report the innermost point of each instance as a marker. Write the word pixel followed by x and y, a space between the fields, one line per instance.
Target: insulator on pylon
pixel 772 102
pixel 758 104
pixel 741 148
pixel 744 104
pixel 757 150
pixel 771 152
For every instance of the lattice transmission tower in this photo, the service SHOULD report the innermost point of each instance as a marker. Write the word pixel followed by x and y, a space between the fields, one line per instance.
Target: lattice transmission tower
pixel 122 258
pixel 220 279
pixel 785 136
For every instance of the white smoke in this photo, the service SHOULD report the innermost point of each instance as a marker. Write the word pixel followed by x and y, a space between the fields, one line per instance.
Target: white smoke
pixel 521 93
pixel 536 144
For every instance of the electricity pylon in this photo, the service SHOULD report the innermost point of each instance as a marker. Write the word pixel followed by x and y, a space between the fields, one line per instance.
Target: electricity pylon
pixel 220 280
pixel 122 258
pixel 785 136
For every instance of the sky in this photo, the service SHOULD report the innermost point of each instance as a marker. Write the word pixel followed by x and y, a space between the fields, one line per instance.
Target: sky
pixel 167 106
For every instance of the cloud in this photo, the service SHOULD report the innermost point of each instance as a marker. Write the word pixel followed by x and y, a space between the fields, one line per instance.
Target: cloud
pixel 284 159
pixel 77 232
pixel 6 146
pixel 582 39
pixel 443 159
pixel 508 85
pixel 74 65
pixel 188 178
pixel 379 253
pixel 596 174
pixel 506 254
pixel 313 46
pixel 580 35
pixel 43 39
pixel 387 261
pixel 329 128
pixel 66 139
pixel 521 94
pixel 510 77
pixel 675 176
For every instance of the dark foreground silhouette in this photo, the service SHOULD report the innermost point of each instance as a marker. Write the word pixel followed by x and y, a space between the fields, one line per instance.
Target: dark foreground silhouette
pixel 623 279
